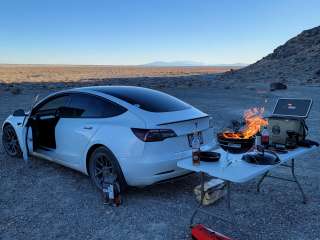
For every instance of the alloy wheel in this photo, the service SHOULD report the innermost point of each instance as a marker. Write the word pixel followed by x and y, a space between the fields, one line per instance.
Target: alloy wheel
pixel 102 168
pixel 10 141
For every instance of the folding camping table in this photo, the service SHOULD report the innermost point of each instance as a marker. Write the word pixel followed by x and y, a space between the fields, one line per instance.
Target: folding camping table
pixel 232 169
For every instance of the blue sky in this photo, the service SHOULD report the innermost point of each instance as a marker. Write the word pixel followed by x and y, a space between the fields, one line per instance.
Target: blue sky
pixel 137 32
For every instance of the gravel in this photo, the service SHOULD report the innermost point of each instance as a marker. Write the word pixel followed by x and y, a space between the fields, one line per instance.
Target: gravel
pixel 43 200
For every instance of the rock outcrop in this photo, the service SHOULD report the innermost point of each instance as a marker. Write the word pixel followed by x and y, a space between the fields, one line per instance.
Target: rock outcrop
pixel 297 61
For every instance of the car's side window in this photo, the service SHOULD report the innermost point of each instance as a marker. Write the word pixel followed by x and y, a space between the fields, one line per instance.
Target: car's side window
pixel 89 106
pixel 54 104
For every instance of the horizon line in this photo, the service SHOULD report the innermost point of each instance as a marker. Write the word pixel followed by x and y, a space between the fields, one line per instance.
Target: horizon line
pixel 130 65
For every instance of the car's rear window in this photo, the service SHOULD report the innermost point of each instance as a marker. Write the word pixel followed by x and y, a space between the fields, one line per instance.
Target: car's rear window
pixel 146 99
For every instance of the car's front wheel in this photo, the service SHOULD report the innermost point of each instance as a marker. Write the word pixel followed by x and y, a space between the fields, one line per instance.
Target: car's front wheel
pixel 10 141
pixel 102 163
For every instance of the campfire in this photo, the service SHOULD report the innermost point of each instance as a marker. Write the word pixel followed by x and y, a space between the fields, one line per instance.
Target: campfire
pixel 253 119
pixel 240 138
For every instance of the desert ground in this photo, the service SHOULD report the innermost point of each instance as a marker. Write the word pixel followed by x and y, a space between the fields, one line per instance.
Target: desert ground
pixel 68 73
pixel 43 200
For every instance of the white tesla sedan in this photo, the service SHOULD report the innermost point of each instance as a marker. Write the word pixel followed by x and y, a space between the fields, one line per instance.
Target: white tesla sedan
pixel 137 133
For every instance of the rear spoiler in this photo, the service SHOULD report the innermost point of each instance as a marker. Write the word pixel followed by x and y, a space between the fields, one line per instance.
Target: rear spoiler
pixel 186 120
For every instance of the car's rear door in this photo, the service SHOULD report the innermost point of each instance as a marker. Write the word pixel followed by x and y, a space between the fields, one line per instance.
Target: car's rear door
pixel 84 116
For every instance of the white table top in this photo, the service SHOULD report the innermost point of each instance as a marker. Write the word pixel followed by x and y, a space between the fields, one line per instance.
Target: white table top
pixel 239 171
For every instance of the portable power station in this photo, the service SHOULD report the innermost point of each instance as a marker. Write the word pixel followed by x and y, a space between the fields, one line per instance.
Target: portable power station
pixel 287 124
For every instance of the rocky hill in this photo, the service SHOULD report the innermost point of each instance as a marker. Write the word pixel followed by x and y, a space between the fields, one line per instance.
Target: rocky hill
pixel 297 61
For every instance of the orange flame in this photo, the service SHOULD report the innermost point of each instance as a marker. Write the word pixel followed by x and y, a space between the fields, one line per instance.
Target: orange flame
pixel 254 120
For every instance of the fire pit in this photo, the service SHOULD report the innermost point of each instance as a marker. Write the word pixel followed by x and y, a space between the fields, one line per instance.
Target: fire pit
pixel 235 145
pixel 241 139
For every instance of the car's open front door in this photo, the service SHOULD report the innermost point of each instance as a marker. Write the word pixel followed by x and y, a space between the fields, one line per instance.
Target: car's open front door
pixel 24 139
pixel 39 132
pixel 39 126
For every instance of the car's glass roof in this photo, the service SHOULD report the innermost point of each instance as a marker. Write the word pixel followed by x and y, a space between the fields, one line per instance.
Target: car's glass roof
pixel 144 98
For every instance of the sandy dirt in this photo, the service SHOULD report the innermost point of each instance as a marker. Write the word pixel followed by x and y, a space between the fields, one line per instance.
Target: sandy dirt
pixel 69 73
pixel 48 201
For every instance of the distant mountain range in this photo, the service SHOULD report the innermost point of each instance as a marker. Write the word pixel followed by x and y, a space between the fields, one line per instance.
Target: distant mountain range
pixel 174 64
pixel 189 64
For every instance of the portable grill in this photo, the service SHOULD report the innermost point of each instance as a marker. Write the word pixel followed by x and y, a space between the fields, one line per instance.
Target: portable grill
pixel 235 145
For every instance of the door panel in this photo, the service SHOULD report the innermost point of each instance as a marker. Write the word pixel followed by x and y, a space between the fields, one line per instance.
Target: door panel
pixel 72 137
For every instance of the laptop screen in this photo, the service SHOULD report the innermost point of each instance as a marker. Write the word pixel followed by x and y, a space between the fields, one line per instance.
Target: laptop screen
pixel 292 107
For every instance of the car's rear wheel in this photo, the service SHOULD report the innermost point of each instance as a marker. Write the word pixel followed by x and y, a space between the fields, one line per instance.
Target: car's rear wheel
pixel 103 163
pixel 10 141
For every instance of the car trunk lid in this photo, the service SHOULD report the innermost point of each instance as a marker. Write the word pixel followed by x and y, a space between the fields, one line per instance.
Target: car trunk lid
pixel 183 123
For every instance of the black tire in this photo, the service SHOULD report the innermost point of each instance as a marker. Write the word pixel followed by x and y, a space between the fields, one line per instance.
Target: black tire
pixel 10 142
pixel 103 157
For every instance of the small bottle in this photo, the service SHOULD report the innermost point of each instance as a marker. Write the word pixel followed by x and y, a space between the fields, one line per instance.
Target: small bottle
pixel 117 196
pixel 111 193
pixel 265 136
pixel 258 139
pixel 195 144
pixel 117 200
pixel 105 191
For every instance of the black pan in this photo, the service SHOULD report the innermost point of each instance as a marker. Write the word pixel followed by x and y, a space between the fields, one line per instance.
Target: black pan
pixel 209 156
pixel 265 158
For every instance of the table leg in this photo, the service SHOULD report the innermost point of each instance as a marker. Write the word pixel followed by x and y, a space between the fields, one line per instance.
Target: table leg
pixel 233 218
pixel 261 180
pixel 292 167
pixel 229 203
pixel 201 199
pixel 228 195
pixel 304 198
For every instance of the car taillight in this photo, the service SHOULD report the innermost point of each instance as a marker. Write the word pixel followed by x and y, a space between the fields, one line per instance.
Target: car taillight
pixel 153 135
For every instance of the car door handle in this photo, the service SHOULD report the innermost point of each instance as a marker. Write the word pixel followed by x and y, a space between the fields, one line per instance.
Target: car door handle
pixel 87 127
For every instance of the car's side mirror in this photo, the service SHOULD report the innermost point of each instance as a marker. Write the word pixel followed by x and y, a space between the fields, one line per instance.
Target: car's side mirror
pixel 19 113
